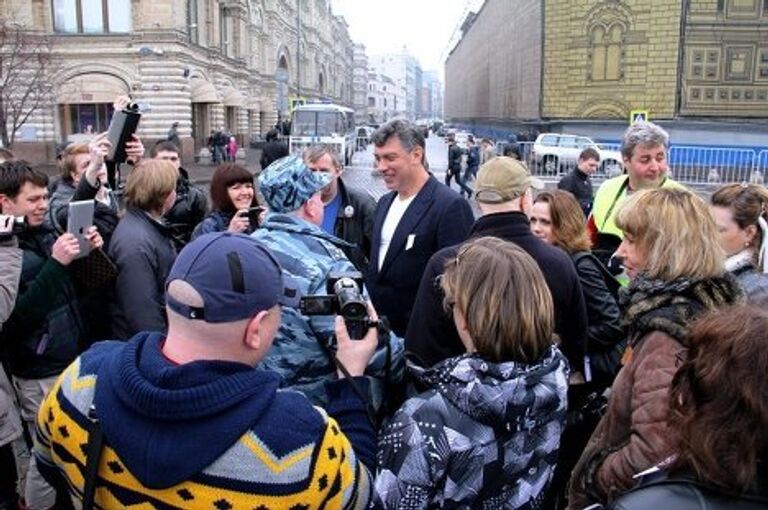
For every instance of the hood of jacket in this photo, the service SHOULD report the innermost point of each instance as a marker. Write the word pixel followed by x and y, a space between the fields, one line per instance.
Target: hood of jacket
pixel 511 396
pixel 168 422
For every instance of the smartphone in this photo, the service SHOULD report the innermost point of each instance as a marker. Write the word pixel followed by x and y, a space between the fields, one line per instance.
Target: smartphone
pixel 121 129
pixel 253 216
pixel 80 219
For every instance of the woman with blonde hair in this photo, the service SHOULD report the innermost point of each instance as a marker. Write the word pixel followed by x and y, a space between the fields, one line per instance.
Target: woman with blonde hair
pixel 143 249
pixel 740 211
pixel 676 266
pixel 485 431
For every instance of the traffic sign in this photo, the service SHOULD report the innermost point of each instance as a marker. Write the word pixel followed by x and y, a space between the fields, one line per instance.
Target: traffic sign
pixel 636 116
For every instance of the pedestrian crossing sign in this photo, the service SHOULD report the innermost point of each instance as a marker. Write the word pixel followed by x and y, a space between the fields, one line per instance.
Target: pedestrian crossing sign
pixel 636 116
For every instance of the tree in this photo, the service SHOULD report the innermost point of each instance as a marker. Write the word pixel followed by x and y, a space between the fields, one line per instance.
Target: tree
pixel 25 71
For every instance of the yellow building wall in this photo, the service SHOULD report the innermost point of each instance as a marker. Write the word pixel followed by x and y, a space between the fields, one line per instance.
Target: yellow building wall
pixel 603 59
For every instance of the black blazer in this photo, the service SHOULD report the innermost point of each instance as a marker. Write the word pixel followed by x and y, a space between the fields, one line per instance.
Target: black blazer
pixel 437 217
pixel 432 337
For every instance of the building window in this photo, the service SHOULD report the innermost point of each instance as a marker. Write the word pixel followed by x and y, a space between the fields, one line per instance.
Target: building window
pixel 224 30
pixel 192 25
pixel 372 102
pixel 762 65
pixel 738 64
pixel 85 118
pixel 91 16
pixel 606 52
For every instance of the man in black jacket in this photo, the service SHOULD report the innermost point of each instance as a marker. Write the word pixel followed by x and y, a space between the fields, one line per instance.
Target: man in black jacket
pixel 348 211
pixel 579 183
pixel 503 193
pixel 191 205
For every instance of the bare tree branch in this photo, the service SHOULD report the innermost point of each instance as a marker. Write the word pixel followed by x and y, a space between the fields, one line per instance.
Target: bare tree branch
pixel 25 76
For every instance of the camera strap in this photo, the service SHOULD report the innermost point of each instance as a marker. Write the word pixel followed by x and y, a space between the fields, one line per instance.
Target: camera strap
pixel 93 452
pixel 369 410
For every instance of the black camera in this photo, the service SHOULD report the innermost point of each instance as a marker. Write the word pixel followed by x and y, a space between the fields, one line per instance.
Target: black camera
pixel 12 225
pixel 344 298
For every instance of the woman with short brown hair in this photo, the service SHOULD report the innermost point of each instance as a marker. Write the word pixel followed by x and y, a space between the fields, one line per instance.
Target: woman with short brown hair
pixel 485 431
pixel 676 265
pixel 557 219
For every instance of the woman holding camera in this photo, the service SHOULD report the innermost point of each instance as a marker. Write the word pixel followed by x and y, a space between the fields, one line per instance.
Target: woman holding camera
pixel 485 431
pixel 676 266
pixel 234 202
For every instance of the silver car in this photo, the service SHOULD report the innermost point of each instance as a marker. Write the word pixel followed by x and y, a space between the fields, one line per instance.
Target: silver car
pixel 558 153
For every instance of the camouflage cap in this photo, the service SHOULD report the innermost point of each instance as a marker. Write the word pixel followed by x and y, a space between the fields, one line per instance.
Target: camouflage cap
pixel 288 183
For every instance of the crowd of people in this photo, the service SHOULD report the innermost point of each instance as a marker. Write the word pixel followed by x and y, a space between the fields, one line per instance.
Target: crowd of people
pixel 297 345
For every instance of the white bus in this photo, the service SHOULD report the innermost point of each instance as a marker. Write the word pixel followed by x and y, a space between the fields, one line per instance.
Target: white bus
pixel 327 124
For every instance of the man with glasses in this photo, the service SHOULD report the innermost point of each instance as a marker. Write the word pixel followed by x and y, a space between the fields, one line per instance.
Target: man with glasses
pixel 191 204
pixel 348 211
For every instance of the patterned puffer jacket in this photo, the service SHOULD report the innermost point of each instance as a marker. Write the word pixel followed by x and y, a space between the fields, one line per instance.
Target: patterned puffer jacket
pixel 482 435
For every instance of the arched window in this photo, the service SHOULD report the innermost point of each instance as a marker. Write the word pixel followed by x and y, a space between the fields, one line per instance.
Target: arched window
pixel 606 50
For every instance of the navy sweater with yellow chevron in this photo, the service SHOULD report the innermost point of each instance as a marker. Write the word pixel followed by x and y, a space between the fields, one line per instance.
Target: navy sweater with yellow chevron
pixel 207 434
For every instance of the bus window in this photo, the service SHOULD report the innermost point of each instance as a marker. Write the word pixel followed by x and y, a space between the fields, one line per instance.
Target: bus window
pixel 303 123
pixel 328 122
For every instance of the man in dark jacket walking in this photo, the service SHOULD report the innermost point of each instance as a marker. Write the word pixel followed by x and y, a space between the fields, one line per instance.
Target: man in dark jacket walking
pixel 348 211
pixel 503 193
pixel 578 182
pixel 273 150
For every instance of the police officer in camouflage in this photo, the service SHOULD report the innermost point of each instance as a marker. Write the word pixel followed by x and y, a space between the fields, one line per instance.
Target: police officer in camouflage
pixel 291 231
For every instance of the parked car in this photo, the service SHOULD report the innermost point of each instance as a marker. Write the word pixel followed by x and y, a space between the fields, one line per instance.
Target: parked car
pixel 560 153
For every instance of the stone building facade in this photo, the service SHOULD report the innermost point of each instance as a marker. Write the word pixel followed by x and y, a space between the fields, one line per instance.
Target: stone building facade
pixel 494 72
pixel 204 63
pixel 584 65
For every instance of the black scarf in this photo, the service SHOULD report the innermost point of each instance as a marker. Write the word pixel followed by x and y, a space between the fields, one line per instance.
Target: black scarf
pixel 671 306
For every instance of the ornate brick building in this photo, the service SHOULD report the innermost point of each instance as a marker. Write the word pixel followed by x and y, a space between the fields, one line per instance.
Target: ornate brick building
pixel 203 63
pixel 700 66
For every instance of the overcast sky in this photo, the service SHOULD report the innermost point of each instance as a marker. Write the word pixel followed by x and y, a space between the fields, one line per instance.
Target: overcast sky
pixel 424 27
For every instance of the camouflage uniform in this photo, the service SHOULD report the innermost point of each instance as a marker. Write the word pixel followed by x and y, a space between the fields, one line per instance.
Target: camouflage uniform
pixel 308 254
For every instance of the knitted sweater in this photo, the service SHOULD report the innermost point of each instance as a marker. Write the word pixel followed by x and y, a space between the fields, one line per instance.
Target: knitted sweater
pixel 206 434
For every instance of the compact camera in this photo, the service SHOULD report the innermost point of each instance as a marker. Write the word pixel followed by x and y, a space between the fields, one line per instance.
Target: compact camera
pixel 344 298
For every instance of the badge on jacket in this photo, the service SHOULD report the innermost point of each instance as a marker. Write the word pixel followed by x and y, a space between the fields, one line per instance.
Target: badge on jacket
pixel 349 211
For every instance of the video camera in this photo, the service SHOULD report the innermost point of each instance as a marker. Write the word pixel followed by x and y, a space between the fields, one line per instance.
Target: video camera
pixel 344 298
pixel 11 226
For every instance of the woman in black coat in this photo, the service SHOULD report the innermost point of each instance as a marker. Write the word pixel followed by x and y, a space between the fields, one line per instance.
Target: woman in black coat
pixel 557 219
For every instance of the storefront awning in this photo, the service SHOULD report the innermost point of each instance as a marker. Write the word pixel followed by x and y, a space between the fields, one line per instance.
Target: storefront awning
pixel 202 91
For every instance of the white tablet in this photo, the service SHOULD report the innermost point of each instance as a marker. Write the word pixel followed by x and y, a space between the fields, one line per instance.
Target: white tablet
pixel 80 219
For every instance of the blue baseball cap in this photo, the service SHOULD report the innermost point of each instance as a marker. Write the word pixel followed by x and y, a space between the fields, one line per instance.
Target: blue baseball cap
pixel 288 183
pixel 235 275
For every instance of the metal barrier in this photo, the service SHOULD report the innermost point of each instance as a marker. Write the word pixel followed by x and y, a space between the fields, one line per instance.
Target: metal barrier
pixel 688 164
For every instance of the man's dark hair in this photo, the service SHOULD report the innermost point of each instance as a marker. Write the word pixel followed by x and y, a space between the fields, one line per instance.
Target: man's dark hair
pixel 511 150
pixel 14 174
pixel 409 135
pixel 163 145
pixel 589 153
pixel 271 135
